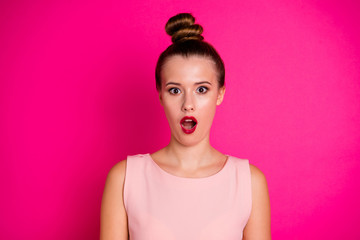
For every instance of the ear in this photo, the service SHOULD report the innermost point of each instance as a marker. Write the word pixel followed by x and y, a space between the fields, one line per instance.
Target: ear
pixel 221 93
pixel 160 98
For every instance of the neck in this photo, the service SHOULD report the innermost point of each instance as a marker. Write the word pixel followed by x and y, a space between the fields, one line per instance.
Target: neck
pixel 191 157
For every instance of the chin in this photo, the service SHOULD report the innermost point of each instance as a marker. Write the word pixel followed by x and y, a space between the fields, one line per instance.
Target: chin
pixel 188 140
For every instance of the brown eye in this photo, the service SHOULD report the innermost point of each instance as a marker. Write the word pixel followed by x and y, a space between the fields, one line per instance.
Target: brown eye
pixel 202 89
pixel 174 90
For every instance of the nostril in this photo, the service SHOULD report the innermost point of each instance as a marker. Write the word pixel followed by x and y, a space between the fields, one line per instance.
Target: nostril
pixel 188 108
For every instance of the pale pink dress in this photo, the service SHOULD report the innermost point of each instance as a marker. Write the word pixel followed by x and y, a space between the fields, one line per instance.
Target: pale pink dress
pixel 162 206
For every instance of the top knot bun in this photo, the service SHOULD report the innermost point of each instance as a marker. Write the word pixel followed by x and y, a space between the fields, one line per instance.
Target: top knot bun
pixel 181 27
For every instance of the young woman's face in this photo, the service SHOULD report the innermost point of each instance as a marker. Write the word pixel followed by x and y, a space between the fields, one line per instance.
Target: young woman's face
pixel 189 94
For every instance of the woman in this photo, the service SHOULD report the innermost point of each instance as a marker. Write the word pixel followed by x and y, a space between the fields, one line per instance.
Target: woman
pixel 188 189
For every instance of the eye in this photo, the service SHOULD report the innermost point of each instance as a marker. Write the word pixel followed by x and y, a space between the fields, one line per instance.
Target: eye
pixel 202 89
pixel 174 90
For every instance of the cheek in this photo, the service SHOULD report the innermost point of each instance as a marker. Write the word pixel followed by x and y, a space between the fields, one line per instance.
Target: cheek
pixel 208 102
pixel 170 112
pixel 207 108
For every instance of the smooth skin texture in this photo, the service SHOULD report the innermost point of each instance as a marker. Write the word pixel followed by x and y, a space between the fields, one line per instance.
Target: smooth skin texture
pixel 189 88
pixel 113 217
pixel 258 226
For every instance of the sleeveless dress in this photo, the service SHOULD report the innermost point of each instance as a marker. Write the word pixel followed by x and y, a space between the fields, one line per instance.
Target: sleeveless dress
pixel 162 206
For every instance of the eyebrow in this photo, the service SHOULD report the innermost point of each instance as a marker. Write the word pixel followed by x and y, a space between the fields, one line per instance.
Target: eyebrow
pixel 197 83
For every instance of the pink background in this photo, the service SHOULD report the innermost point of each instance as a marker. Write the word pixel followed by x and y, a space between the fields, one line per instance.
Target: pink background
pixel 77 95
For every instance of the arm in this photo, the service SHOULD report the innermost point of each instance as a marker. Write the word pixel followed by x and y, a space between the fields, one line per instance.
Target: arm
pixel 113 220
pixel 258 226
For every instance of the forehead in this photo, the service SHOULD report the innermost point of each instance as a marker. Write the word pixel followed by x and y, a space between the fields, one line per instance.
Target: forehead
pixel 188 69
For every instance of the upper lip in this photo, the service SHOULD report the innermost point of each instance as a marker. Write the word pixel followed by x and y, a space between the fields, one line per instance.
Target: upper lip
pixel 188 117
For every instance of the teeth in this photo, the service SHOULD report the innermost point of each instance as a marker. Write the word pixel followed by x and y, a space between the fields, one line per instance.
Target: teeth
pixel 188 120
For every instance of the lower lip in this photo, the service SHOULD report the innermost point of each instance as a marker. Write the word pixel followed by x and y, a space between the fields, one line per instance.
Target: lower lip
pixel 188 131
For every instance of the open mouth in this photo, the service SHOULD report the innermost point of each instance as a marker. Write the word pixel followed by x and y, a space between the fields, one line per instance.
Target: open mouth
pixel 188 124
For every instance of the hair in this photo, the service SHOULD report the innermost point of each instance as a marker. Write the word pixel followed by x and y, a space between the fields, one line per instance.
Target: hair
pixel 187 41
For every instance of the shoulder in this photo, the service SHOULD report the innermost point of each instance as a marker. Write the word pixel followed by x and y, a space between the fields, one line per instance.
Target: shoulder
pixel 259 187
pixel 258 226
pixel 115 179
pixel 117 172
pixel 119 167
pixel 257 176
pixel 258 181
pixel 113 213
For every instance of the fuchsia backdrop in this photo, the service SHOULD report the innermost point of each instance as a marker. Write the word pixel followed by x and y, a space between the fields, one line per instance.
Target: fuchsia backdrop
pixel 77 95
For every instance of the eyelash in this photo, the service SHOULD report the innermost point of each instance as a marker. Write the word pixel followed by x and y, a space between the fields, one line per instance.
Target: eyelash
pixel 171 90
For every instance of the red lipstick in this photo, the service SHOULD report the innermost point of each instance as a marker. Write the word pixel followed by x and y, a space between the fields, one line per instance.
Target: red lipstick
pixel 188 124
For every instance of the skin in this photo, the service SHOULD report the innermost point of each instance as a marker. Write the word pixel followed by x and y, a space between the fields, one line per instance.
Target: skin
pixel 189 88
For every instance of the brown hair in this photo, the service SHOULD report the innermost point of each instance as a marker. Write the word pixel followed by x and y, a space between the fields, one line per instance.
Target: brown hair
pixel 187 41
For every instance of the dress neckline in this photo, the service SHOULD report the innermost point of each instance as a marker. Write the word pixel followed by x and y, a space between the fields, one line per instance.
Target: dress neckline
pixel 213 176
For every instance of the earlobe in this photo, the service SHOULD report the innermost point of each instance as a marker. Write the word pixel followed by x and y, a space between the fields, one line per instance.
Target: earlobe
pixel 160 98
pixel 220 96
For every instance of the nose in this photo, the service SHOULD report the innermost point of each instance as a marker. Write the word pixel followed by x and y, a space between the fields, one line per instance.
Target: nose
pixel 188 104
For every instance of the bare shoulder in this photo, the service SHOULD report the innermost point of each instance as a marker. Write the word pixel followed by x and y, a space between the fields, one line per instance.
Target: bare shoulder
pixel 257 176
pixel 259 186
pixel 117 172
pixel 113 223
pixel 258 226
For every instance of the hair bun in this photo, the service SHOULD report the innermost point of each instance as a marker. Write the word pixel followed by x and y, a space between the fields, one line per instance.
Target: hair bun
pixel 181 27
